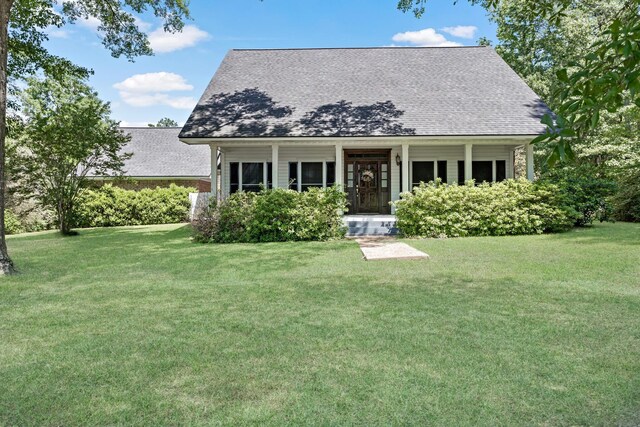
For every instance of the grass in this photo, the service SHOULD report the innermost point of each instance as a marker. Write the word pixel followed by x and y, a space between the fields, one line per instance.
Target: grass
pixel 139 326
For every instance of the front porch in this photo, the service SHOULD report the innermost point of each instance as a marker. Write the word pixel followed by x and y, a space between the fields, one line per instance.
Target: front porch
pixel 373 172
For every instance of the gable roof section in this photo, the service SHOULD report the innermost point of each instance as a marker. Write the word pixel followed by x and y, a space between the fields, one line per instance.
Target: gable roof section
pixel 157 152
pixel 450 91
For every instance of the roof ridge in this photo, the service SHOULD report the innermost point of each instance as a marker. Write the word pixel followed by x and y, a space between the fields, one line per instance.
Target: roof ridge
pixel 358 48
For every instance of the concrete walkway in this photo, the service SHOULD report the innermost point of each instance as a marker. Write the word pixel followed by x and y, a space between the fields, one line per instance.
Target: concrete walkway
pixel 388 248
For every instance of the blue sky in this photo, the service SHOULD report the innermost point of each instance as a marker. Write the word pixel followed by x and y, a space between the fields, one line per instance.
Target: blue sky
pixel 169 83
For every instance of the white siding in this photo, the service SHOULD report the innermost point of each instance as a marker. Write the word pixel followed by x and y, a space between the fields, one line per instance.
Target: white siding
pixel 395 174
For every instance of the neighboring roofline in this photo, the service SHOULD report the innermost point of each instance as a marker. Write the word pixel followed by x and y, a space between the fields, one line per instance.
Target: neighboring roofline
pixel 205 140
pixel 360 48
pixel 150 127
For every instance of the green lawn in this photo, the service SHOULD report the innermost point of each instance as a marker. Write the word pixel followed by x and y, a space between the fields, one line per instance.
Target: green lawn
pixel 141 326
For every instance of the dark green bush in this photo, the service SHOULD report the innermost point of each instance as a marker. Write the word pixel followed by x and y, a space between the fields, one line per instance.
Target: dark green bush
pixel 505 208
pixel 588 194
pixel 12 224
pixel 110 206
pixel 273 216
pixel 626 201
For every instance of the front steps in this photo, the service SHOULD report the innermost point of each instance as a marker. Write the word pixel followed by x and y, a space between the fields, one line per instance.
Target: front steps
pixel 370 225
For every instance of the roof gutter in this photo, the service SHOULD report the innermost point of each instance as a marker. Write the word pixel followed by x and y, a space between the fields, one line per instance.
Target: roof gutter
pixel 363 139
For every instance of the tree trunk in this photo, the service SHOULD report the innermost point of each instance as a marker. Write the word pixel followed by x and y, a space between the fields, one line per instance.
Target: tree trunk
pixel 6 265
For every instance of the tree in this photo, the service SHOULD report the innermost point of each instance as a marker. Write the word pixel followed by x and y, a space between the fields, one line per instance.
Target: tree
pixel 165 122
pixel 67 134
pixel 604 77
pixel 538 49
pixel 22 33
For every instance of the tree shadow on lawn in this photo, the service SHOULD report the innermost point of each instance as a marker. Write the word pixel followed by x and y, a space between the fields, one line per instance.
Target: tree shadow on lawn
pixel 170 250
pixel 622 233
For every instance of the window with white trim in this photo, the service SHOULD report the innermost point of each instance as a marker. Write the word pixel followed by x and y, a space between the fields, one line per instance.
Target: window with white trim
pixel 422 172
pixel 427 171
pixel 481 171
pixel 501 170
pixel 484 171
pixel 305 175
pixel 293 176
pixel 311 175
pixel 249 176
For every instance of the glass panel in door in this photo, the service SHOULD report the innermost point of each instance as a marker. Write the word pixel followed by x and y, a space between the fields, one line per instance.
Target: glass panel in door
pixel 368 191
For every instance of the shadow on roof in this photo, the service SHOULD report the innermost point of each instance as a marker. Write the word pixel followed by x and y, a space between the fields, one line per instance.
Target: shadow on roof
pixel 253 113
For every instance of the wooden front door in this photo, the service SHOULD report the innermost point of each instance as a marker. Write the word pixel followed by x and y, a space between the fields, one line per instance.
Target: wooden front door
pixel 367 178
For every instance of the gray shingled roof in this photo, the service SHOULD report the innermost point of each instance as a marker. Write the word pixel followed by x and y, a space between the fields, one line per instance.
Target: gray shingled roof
pixel 433 91
pixel 157 152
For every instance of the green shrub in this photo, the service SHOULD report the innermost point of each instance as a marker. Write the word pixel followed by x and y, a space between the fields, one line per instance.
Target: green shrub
pixel 110 206
pixel 31 223
pixel 273 216
pixel 506 208
pixel 588 194
pixel 12 224
pixel 626 201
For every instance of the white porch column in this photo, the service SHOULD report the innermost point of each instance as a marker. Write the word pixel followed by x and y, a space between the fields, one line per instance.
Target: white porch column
pixel 529 149
pixel 275 148
pixel 214 171
pixel 468 162
pixel 222 189
pixel 339 167
pixel 405 168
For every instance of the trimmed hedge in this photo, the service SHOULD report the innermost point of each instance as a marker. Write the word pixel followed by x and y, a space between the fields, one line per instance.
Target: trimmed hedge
pixel 505 208
pixel 273 216
pixel 110 206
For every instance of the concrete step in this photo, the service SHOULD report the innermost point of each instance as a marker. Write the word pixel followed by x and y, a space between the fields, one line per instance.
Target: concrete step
pixel 372 225
pixel 363 232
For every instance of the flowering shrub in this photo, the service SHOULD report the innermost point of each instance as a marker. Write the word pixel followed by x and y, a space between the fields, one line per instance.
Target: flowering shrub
pixel 273 216
pixel 109 206
pixel 506 208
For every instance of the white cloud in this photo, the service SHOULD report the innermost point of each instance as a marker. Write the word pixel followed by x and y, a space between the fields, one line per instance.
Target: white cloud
pixel 91 23
pixel 142 25
pixel 462 31
pixel 154 99
pixel 128 124
pixel 163 42
pixel 426 37
pixel 154 82
pixel 57 33
pixel 146 90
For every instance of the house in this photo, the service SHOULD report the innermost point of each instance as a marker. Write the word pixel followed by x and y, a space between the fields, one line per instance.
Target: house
pixel 376 120
pixel 159 159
